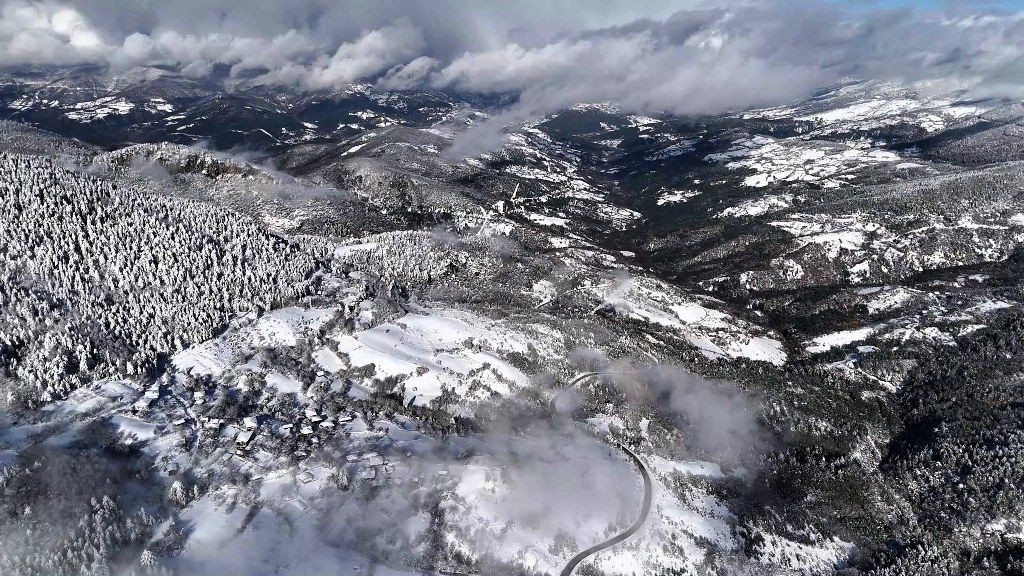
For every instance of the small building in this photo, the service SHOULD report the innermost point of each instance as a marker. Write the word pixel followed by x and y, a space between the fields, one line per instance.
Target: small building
pixel 372 459
pixel 245 437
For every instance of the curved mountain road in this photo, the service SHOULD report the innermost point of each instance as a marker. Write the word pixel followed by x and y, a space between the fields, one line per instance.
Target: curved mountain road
pixel 645 508
pixel 579 378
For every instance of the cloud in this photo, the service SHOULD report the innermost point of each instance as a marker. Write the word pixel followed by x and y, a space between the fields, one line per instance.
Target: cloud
pixel 46 33
pixel 706 61
pixel 715 417
pixel 370 54
pixel 408 76
pixel 675 56
pixel 542 488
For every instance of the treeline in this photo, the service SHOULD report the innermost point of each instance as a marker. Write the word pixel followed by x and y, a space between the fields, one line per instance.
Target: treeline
pixel 100 280
pixel 87 508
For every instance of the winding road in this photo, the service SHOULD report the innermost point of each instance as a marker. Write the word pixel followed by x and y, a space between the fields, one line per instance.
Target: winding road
pixel 645 508
pixel 572 383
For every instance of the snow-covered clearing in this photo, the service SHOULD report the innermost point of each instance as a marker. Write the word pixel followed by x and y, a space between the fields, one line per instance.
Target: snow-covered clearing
pixel 714 333
pixel 826 342
pixel 676 196
pixel 434 348
pixel 99 109
pixel 760 206
pixel 280 327
pixel 774 161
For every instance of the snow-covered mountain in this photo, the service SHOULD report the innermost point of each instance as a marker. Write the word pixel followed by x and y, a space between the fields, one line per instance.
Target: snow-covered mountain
pixel 250 330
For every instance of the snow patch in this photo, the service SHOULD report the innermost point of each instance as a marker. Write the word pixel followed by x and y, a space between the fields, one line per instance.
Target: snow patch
pixel 676 196
pixel 759 206
pixel 280 327
pixel 430 349
pixel 783 161
pixel 827 342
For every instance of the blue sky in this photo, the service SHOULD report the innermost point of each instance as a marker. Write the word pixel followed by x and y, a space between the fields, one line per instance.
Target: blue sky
pixel 1004 4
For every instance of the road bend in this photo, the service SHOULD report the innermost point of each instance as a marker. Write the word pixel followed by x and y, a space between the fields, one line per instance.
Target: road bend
pixel 645 508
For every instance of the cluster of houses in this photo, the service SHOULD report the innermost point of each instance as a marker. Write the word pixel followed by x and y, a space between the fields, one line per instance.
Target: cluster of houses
pixel 370 463
pixel 256 438
pixel 308 431
pixel 151 395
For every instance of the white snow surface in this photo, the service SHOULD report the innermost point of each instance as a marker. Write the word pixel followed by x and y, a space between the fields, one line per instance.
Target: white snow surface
pixel 430 348
pixel 826 342
pixel 714 333
pixel 99 109
pixel 888 298
pixel 276 328
pixel 790 160
pixel 818 558
pixel 875 113
pixel 676 196
pixel 688 468
pixel 760 206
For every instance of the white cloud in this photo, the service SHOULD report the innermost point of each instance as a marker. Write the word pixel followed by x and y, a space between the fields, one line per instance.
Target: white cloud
pixel 678 56
pixel 370 54
pixel 46 33
pixel 408 76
